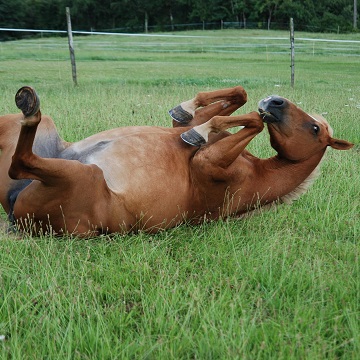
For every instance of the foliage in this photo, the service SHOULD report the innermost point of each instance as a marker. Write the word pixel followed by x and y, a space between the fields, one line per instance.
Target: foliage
pixel 313 15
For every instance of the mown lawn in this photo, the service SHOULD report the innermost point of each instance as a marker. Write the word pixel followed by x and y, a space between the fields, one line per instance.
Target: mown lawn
pixel 283 284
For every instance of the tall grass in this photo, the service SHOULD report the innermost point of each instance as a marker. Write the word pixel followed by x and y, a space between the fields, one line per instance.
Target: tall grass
pixel 280 285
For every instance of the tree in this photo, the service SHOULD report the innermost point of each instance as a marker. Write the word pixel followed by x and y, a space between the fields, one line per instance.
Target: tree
pixel 241 9
pixel 12 13
pixel 141 15
pixel 355 14
pixel 267 8
pixel 301 11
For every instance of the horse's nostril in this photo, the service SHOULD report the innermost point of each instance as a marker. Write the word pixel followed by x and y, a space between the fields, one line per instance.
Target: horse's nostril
pixel 279 102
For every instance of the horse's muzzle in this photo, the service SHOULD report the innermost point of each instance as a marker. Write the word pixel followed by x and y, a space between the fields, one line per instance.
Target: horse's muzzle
pixel 271 108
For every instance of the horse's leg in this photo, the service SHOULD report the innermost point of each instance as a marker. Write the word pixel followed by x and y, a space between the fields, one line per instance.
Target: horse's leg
pixel 25 163
pixel 28 102
pixel 218 102
pixel 68 194
pixel 221 153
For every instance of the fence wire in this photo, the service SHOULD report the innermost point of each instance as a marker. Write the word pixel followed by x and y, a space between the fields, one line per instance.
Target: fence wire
pixel 183 43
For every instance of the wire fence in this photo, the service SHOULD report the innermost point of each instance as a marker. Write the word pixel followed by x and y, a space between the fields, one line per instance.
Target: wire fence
pixel 190 43
pixel 219 25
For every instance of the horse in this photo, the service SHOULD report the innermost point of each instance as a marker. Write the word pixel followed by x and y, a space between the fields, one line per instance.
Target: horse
pixel 151 178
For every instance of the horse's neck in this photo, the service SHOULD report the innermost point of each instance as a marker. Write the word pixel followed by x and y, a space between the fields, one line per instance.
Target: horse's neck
pixel 288 180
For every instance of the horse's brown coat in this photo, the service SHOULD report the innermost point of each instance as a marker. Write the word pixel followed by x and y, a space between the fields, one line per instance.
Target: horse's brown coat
pixel 147 178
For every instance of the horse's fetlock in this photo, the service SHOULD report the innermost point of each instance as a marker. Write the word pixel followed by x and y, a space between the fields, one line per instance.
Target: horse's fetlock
pixel 201 99
pixel 30 121
pixel 215 122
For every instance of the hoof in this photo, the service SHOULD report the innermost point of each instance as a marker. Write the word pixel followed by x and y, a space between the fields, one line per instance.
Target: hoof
pixel 180 115
pixel 193 138
pixel 27 101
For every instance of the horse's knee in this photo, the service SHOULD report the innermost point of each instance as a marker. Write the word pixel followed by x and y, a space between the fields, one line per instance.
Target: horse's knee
pixel 240 95
pixel 256 121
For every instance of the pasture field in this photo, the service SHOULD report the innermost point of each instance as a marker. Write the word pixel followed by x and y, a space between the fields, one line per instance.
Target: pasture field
pixel 283 284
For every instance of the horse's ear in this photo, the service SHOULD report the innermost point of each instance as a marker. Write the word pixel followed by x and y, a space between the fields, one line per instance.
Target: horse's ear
pixel 340 144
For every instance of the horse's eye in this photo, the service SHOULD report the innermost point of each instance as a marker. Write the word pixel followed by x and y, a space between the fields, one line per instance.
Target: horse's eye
pixel 316 129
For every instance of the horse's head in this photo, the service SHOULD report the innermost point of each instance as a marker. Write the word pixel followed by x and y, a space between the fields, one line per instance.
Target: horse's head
pixel 294 134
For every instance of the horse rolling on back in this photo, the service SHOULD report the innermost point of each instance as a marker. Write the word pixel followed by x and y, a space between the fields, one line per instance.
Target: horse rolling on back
pixel 153 178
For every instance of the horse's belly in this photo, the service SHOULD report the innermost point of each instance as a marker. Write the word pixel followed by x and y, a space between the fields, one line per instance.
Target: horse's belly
pixel 156 205
pixel 155 197
pixel 151 172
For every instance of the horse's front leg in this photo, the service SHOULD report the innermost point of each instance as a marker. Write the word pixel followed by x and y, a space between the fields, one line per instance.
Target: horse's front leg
pixel 206 105
pixel 219 153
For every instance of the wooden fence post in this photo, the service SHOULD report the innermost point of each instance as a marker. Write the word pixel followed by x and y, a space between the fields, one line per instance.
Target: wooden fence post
pixel 292 47
pixel 71 46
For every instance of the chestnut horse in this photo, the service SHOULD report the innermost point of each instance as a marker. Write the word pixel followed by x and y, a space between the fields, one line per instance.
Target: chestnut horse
pixel 153 178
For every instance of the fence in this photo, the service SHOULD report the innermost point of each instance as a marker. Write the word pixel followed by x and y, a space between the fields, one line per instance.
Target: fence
pixel 214 42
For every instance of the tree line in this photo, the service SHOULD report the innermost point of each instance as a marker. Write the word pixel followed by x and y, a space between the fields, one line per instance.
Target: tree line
pixel 170 15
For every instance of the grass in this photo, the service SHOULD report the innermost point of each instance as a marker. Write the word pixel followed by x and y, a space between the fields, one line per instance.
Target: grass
pixel 280 285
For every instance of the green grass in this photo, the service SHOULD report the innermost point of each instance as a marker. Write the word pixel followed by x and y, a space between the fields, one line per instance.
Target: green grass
pixel 283 284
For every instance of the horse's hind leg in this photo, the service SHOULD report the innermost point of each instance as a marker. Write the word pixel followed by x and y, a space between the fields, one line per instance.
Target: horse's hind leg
pixel 68 196
pixel 25 163
pixel 28 102
pixel 220 102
